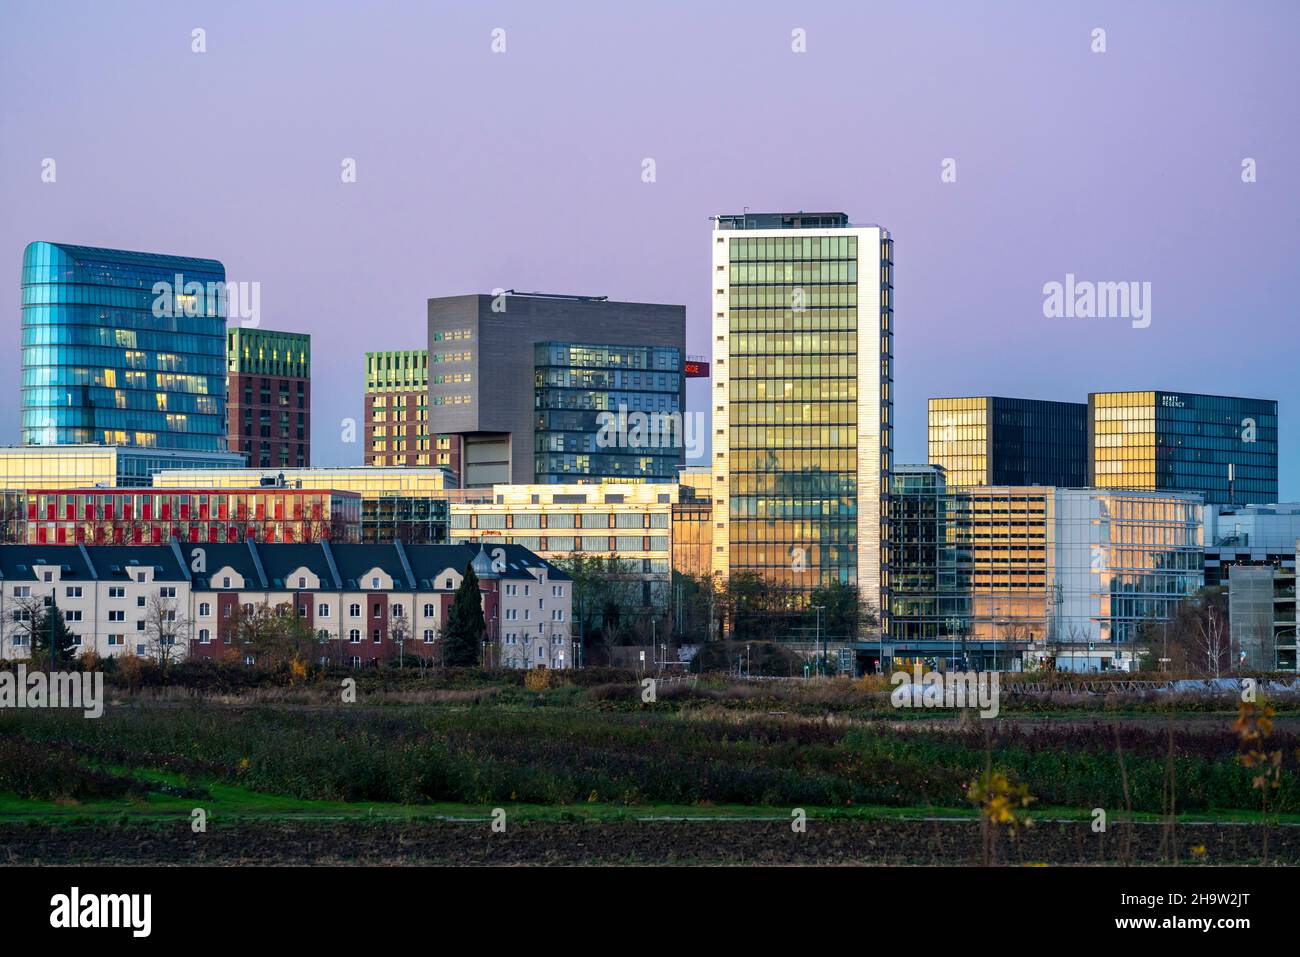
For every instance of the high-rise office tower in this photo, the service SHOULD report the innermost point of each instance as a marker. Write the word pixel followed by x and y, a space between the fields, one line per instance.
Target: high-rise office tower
pixel 397 413
pixel 268 396
pixel 523 378
pixel 123 348
pixel 802 404
pixel 1224 447
pixel 991 440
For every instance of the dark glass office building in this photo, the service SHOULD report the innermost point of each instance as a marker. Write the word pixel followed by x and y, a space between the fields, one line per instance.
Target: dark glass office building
pixel 991 440
pixel 607 413
pixel 1224 447
pixel 111 357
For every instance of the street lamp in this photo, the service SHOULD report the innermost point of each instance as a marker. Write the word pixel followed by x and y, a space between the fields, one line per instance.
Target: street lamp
pixel 818 638
pixel 957 624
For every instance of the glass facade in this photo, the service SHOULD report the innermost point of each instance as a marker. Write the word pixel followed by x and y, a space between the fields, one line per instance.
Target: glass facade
pixel 972 568
pixel 1121 558
pixel 107 360
pixel 13 516
pixel 803 357
pixel 576 384
pixel 407 519
pixel 991 440
pixel 1220 446
pixel 398 503
pixel 83 466
pixel 959 439
pixel 693 538
pixel 986 573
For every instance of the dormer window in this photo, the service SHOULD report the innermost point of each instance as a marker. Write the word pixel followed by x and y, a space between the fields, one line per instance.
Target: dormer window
pixel 374 582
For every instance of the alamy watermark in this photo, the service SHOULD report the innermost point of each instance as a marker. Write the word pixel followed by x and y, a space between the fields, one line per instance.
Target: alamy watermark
pixel 232 300
pixel 129 911
pixel 1084 299
pixel 53 689
pixel 651 430
pixel 951 689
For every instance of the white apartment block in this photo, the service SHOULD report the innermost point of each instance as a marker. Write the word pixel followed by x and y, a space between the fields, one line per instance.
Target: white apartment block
pixel 365 603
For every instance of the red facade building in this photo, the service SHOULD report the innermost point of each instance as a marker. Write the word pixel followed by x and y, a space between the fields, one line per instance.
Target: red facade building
pixel 133 516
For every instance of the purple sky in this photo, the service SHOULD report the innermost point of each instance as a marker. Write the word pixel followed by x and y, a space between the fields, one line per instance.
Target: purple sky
pixel 479 170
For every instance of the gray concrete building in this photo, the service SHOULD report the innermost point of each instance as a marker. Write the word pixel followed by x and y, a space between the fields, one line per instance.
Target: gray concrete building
pixel 1262 617
pixel 490 378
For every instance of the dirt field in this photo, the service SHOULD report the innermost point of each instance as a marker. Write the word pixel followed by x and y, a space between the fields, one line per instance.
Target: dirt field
pixel 892 842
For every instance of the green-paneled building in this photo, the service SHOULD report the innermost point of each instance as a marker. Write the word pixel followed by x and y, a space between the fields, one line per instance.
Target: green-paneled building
pixel 268 390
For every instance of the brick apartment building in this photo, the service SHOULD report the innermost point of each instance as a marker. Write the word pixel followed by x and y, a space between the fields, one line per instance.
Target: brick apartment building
pixel 268 396
pixel 397 413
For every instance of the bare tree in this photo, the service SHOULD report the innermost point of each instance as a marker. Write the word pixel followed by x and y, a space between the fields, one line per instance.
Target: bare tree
pixel 167 630
pixel 22 626
pixel 1212 639
pixel 399 631
pixel 427 651
pixel 1075 636
pixel 1196 637
pixel 1016 636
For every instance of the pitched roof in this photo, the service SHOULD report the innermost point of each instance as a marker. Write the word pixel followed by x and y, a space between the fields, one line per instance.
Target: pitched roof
pixel 267 566
pixel 23 562
pixel 218 555
pixel 354 561
pixel 429 561
pixel 282 560
pixel 118 562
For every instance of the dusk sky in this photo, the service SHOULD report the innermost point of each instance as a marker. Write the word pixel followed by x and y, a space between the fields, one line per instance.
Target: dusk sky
pixel 523 169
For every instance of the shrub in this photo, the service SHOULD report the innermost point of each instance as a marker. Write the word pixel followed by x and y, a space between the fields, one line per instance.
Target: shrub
pixel 49 771
pixel 537 679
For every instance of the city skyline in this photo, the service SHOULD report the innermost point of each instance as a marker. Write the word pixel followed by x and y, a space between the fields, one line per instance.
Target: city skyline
pixel 1093 181
pixel 571 434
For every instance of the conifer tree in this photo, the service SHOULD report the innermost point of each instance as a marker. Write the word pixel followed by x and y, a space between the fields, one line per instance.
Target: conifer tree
pixel 462 636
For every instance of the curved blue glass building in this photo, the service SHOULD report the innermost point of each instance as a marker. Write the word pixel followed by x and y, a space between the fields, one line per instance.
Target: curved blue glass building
pixel 123 348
